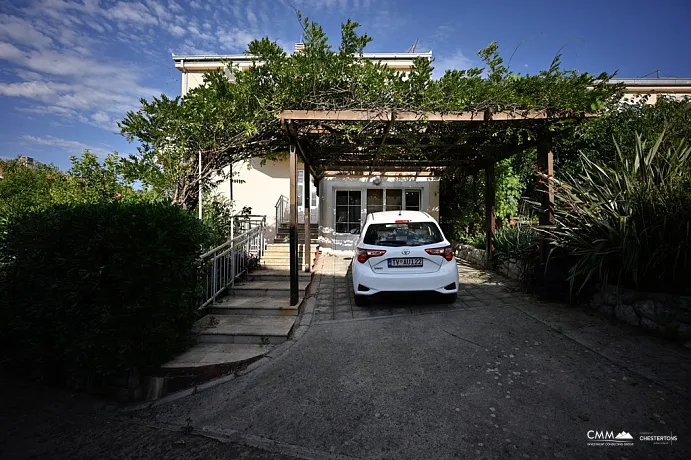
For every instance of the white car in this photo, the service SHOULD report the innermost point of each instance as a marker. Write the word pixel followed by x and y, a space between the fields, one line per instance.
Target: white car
pixel 403 251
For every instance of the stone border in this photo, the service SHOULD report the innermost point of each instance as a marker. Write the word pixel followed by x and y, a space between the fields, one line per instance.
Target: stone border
pixel 510 268
pixel 470 254
pixel 665 314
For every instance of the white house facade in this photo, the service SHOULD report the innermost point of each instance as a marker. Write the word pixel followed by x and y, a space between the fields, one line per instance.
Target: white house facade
pixel 341 200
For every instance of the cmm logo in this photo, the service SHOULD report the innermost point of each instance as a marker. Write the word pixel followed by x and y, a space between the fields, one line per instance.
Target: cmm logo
pixel 609 438
pixel 601 435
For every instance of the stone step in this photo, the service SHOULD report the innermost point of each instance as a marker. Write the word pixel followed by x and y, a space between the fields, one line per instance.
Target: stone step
pixel 286 226
pixel 276 265
pixel 253 306
pixel 267 274
pixel 280 249
pixel 244 329
pixel 214 354
pixel 301 231
pixel 266 288
pixel 277 257
pixel 285 240
pixel 301 235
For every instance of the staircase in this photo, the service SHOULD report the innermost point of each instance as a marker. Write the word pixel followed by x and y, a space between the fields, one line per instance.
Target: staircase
pixel 251 319
pixel 283 233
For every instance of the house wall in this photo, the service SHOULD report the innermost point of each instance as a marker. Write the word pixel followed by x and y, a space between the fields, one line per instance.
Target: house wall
pixel 191 80
pixel 263 185
pixel 341 244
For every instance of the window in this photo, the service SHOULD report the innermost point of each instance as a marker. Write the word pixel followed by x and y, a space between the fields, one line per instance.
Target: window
pixel 412 200
pixel 403 234
pixel 392 200
pixel 347 210
pixel 375 200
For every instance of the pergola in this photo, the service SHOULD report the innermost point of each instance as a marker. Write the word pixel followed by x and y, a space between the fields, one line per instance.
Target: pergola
pixel 333 140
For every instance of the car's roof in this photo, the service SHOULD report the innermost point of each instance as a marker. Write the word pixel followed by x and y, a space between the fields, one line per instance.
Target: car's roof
pixel 392 216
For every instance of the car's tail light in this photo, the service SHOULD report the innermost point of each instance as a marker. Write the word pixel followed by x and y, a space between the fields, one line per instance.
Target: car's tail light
pixel 364 254
pixel 445 252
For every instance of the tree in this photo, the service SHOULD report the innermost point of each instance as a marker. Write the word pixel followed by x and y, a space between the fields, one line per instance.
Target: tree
pixel 26 187
pixel 622 125
pixel 90 181
pixel 229 122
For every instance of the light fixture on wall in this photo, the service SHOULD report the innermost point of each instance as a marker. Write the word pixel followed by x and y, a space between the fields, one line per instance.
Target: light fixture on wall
pixel 376 180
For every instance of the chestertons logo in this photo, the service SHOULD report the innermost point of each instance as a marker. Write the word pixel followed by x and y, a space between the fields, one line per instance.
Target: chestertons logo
pixel 608 438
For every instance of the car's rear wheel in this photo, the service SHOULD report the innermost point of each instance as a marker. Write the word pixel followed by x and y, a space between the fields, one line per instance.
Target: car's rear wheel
pixel 450 298
pixel 360 300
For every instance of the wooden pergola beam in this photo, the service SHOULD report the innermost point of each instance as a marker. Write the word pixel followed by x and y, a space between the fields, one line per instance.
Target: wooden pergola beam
pixel 295 139
pixel 408 115
pixel 545 164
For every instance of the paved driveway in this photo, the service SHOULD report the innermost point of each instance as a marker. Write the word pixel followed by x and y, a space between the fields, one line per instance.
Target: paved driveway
pixel 496 375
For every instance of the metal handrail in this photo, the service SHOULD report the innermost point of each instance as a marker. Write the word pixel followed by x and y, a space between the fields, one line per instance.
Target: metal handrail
pixel 224 264
pixel 282 207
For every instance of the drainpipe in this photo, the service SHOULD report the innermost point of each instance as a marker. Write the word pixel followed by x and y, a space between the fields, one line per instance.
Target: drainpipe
pixel 200 185
pixel 184 78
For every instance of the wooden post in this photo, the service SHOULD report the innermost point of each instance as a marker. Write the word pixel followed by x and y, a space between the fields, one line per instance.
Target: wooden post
pixel 545 164
pixel 294 267
pixel 308 228
pixel 489 213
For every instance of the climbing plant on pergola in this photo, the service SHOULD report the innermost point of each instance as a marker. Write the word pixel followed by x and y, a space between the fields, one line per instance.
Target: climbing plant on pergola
pixel 339 111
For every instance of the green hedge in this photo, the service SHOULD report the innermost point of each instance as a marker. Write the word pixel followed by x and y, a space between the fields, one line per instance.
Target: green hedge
pixel 93 291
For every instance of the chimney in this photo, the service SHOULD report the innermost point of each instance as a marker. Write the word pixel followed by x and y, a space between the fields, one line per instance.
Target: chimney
pixel 298 47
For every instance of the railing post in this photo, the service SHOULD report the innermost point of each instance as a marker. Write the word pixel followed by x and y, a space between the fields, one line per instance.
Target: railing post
pixel 214 279
pixel 232 264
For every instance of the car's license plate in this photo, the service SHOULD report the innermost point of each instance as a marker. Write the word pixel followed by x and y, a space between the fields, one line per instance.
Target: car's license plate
pixel 405 262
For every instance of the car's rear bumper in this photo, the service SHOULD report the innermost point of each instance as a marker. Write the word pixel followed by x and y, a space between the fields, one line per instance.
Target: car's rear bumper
pixel 399 282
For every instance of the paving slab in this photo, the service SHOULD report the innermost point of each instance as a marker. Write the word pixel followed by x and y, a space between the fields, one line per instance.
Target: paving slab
pixel 244 329
pixel 209 354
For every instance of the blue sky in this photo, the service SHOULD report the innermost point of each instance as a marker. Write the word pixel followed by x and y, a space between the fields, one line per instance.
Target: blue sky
pixel 69 70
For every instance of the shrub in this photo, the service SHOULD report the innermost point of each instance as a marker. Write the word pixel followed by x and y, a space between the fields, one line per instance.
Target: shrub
pixel 95 290
pixel 628 221
pixel 478 241
pixel 519 243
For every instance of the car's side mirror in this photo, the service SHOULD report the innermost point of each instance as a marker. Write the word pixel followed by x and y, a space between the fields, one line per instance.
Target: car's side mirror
pixel 355 231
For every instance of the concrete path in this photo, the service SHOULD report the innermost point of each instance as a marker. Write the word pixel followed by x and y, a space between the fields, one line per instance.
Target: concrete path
pixel 497 375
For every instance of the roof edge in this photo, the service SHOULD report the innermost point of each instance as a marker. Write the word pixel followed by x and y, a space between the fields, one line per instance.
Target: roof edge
pixel 248 57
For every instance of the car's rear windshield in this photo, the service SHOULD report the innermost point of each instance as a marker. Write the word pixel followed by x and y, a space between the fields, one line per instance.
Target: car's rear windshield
pixel 403 234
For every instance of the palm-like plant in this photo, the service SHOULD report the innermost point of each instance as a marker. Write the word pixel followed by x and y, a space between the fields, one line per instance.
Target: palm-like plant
pixel 630 220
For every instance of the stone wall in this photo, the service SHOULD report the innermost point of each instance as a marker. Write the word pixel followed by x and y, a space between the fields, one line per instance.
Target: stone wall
pixel 509 268
pixel 663 313
pixel 471 254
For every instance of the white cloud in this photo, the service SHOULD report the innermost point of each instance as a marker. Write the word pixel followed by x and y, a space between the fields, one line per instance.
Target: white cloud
pixel 33 89
pixel 9 52
pixel 176 30
pixel 175 8
pixel 68 146
pixel 235 39
pixel 133 13
pixel 457 60
pixel 21 31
